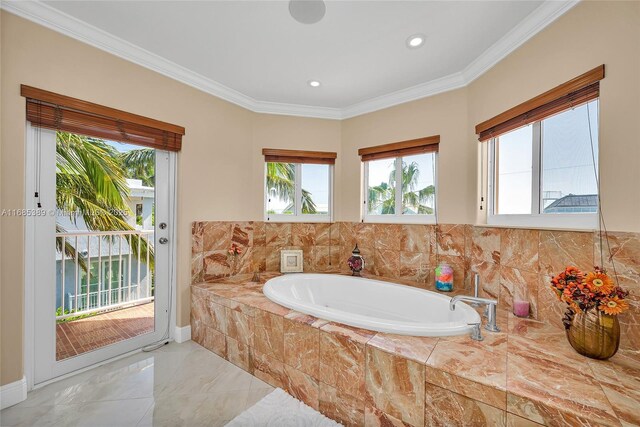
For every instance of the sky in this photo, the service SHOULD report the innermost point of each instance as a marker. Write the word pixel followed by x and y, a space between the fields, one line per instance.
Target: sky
pixel 122 147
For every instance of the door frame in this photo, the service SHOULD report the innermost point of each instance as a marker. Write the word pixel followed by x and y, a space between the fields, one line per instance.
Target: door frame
pixel 30 258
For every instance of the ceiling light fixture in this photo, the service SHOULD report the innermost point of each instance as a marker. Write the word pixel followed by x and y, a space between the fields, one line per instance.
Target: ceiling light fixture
pixel 415 41
pixel 307 11
pixel 314 83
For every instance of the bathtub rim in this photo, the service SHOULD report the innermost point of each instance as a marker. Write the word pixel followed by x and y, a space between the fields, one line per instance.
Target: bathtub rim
pixel 366 322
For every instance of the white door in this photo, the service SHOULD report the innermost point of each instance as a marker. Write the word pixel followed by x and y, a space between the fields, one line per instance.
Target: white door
pixel 114 279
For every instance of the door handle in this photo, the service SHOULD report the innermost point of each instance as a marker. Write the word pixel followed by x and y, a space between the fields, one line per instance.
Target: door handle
pixel 163 240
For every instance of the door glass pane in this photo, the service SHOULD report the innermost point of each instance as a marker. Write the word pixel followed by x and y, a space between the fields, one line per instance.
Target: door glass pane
pixel 315 189
pixel 514 171
pixel 281 188
pixel 105 259
pixel 381 187
pixel 418 184
pixel 568 172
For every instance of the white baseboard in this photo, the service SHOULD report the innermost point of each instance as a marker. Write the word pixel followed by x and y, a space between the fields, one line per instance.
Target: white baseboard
pixel 14 392
pixel 182 334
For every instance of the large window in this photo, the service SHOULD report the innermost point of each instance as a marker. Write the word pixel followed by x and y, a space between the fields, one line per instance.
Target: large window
pixel 298 187
pixel 545 174
pixel 401 189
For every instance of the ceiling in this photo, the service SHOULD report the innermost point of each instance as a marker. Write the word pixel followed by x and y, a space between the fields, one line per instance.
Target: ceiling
pixel 255 54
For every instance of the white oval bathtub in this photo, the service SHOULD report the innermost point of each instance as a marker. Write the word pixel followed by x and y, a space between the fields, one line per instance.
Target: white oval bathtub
pixel 371 304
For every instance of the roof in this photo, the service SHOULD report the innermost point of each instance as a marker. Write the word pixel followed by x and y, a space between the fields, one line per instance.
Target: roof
pixel 574 203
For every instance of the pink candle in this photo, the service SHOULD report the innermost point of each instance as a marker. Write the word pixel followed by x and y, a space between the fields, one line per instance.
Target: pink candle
pixel 521 308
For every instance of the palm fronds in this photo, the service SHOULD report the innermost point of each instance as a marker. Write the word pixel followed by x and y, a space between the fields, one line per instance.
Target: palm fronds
pixel 382 198
pixel 140 164
pixel 91 184
pixel 281 181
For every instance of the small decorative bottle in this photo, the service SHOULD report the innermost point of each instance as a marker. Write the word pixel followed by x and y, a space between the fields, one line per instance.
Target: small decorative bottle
pixel 355 262
pixel 444 277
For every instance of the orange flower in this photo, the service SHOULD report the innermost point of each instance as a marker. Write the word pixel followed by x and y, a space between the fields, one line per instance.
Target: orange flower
pixel 599 283
pixel 613 305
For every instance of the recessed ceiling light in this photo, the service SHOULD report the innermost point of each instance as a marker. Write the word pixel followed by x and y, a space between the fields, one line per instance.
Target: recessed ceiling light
pixel 415 41
pixel 314 83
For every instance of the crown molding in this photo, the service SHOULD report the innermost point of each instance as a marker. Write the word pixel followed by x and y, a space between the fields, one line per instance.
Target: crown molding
pixel 423 90
pixel 51 18
pixel 535 22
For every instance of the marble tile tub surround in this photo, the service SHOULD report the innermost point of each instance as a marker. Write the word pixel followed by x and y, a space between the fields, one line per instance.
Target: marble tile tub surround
pixel 525 375
pixel 512 263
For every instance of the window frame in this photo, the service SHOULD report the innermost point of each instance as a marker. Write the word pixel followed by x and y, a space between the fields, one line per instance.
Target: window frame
pixel 536 219
pixel 298 216
pixel 398 218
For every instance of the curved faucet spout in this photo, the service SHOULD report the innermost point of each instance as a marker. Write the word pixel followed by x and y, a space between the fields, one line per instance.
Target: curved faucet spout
pixel 490 313
pixel 485 301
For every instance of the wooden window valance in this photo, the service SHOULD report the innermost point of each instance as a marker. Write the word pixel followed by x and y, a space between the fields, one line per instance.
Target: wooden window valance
pixel 579 90
pixel 299 156
pixel 54 111
pixel 428 144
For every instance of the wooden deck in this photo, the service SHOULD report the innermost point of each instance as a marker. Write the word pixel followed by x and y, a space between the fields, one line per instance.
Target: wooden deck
pixel 79 336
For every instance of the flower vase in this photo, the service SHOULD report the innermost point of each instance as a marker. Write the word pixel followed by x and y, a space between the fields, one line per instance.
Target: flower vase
pixel 593 333
pixel 355 262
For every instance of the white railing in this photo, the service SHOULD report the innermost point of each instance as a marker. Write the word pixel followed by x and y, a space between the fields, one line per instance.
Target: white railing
pixel 117 272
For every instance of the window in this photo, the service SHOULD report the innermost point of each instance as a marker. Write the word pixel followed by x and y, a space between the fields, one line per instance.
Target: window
pixel 298 190
pixel 545 174
pixel 400 181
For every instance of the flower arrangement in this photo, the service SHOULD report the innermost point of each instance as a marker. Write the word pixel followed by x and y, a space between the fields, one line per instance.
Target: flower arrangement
pixel 593 290
pixel 234 250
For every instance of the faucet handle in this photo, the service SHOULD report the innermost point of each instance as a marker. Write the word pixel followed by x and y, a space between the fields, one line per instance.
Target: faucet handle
pixel 476 333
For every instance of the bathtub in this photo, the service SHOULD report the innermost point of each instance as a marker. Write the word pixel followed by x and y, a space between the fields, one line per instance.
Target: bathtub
pixel 371 304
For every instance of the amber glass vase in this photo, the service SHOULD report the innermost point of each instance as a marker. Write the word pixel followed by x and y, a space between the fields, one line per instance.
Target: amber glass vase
pixel 593 334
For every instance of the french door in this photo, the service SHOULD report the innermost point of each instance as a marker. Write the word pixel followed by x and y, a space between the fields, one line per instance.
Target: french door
pixel 94 294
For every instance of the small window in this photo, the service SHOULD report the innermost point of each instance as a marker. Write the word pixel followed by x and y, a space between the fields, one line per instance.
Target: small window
pixel 545 174
pixel 401 189
pixel 299 190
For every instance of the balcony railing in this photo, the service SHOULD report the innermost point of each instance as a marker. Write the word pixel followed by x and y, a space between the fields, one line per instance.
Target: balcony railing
pixel 102 271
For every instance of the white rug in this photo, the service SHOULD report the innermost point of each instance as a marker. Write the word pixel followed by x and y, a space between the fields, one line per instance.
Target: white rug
pixel 278 409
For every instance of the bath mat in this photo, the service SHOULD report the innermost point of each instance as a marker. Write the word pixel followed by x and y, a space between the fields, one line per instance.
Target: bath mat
pixel 278 409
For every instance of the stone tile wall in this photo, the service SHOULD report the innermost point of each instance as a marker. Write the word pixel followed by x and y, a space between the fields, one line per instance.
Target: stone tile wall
pixel 512 263
pixel 525 375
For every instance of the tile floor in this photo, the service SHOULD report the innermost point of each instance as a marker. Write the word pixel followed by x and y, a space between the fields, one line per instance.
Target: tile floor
pixel 79 336
pixel 176 385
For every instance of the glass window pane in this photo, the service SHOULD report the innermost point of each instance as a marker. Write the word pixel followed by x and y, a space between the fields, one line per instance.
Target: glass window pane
pixel 418 184
pixel 280 188
pixel 568 173
pixel 381 187
pixel 315 189
pixel 513 171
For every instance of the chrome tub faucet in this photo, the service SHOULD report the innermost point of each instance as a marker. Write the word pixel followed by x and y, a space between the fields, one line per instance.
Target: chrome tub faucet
pixel 490 313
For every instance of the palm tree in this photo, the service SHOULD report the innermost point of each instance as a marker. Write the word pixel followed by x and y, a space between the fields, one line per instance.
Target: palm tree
pixel 91 184
pixel 140 164
pixel 281 182
pixel 383 197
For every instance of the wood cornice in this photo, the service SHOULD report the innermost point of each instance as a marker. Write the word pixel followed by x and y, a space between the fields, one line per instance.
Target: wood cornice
pixel 573 85
pixel 396 149
pixel 70 103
